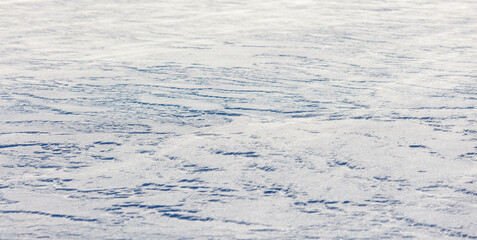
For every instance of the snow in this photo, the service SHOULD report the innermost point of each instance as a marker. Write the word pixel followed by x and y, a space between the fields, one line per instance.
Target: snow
pixel 245 119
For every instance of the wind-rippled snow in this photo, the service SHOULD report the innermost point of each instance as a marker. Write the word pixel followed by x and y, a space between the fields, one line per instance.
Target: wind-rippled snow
pixel 264 119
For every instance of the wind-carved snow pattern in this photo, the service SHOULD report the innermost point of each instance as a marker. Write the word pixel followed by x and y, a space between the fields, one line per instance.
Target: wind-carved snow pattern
pixel 238 119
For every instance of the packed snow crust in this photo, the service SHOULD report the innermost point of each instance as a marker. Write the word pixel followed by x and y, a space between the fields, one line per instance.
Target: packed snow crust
pixel 218 119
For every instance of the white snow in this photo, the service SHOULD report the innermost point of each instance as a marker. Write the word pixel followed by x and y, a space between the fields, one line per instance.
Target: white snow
pixel 245 119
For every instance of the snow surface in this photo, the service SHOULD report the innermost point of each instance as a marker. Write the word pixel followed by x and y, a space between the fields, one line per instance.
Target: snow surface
pixel 145 119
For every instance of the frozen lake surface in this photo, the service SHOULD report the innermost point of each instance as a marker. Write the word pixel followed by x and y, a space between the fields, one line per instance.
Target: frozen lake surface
pixel 124 119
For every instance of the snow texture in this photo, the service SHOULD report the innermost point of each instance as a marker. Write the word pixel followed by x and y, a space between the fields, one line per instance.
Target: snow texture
pixel 223 119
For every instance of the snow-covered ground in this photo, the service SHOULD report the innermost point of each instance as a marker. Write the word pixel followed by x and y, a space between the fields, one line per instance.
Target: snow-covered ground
pixel 146 119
